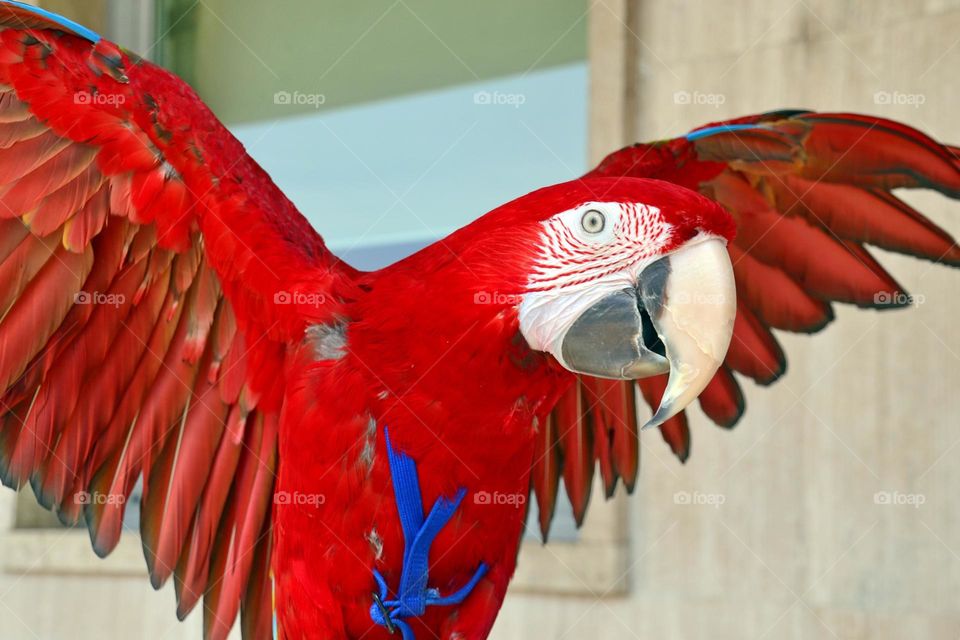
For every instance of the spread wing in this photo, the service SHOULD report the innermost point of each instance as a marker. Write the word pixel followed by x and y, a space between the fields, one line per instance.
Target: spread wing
pixel 809 192
pixel 151 277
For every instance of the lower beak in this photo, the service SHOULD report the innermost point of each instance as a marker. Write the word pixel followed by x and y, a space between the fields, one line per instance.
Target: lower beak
pixel 679 318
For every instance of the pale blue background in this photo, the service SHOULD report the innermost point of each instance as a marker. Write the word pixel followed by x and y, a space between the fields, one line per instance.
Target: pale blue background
pixel 406 171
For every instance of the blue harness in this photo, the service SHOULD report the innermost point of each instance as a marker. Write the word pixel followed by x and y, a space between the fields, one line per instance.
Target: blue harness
pixel 414 596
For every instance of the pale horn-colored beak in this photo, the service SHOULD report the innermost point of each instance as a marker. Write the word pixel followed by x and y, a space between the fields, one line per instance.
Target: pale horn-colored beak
pixel 691 299
pixel 678 318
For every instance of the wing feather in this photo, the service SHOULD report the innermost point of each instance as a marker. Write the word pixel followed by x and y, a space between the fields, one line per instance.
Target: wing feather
pixel 575 434
pixel 140 338
pixel 193 568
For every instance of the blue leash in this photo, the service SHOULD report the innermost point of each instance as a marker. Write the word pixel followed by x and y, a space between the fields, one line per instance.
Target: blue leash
pixel 414 595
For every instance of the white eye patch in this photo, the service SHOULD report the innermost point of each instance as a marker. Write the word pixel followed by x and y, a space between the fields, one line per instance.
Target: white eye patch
pixel 592 222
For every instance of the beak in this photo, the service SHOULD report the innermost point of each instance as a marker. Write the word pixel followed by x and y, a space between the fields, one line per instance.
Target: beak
pixel 679 318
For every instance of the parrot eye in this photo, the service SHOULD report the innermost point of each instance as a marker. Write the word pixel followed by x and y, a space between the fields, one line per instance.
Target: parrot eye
pixel 593 221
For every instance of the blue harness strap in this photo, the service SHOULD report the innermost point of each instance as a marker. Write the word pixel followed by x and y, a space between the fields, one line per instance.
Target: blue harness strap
pixel 414 596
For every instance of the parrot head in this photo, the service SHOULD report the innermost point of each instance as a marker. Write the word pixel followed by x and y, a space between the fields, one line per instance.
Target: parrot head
pixel 621 278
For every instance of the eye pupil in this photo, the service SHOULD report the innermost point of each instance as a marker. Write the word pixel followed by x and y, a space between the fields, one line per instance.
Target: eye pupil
pixel 592 221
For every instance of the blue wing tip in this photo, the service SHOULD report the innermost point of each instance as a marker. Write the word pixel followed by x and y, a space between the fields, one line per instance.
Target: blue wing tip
pixel 722 128
pixel 66 23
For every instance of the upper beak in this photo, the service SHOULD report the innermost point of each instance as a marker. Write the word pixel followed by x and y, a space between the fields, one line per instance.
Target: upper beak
pixel 678 318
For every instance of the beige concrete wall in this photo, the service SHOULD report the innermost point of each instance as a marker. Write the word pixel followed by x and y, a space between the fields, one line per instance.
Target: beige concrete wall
pixel 799 549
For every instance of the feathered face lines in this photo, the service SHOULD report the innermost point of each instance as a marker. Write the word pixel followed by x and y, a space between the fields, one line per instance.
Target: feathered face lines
pixel 597 239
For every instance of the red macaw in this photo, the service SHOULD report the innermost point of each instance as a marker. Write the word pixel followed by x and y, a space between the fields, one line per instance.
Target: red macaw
pixel 333 437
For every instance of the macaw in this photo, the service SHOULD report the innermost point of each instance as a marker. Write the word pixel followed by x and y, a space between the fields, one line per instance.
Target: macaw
pixel 321 444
